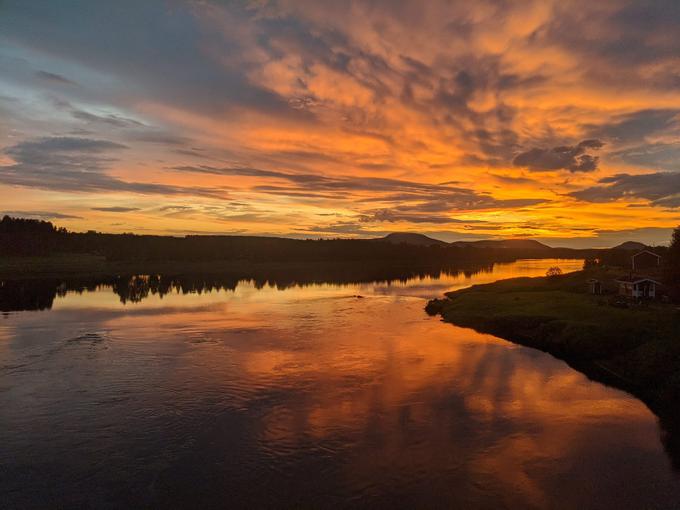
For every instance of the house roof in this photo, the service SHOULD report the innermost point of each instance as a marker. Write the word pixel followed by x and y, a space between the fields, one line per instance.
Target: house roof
pixel 647 251
pixel 636 279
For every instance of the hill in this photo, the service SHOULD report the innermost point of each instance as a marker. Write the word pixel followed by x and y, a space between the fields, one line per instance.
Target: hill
pixel 408 238
pixel 630 245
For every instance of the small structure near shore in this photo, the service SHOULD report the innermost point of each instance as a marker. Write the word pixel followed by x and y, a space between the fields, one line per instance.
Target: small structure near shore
pixel 637 287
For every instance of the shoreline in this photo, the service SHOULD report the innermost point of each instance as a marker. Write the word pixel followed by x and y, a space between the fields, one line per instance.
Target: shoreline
pixel 636 349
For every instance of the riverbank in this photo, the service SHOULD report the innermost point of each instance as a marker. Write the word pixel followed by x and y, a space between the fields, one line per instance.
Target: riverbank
pixel 636 348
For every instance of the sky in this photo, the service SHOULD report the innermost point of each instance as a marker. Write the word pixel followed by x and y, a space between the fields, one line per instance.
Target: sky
pixel 555 120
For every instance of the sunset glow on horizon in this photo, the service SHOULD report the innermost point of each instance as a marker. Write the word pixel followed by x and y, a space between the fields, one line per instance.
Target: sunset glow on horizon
pixel 555 120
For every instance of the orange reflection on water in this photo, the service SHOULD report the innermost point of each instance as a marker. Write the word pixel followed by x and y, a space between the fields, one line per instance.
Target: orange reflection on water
pixel 388 399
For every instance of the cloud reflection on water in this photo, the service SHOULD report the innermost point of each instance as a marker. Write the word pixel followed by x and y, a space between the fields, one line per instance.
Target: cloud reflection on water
pixel 303 395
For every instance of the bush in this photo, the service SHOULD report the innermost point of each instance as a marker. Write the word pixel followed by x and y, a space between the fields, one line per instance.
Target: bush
pixel 553 271
pixel 591 264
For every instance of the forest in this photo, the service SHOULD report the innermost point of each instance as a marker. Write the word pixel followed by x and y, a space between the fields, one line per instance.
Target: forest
pixel 36 238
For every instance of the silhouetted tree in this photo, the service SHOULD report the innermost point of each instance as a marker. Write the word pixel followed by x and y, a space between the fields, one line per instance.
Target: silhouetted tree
pixel 553 271
pixel 21 236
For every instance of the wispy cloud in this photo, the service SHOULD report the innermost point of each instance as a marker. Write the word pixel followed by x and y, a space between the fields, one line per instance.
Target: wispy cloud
pixel 78 165
pixel 425 197
pixel 116 209
pixel 42 215
pixel 53 78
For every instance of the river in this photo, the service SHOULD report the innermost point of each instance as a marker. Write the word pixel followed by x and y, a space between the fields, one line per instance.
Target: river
pixel 308 396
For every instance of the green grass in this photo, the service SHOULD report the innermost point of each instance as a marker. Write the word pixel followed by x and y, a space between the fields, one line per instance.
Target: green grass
pixel 559 312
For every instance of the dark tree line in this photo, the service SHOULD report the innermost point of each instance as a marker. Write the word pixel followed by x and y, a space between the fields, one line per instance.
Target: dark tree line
pixel 22 237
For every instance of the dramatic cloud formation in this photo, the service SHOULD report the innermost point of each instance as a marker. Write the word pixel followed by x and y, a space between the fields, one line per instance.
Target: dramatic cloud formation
pixel 572 158
pixel 541 118
pixel 438 196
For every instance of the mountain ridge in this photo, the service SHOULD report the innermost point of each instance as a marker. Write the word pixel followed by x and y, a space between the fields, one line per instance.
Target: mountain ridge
pixel 411 238
pixel 424 240
pixel 418 239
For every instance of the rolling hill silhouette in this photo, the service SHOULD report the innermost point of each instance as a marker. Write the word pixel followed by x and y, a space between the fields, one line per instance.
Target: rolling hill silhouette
pixel 630 245
pixel 409 238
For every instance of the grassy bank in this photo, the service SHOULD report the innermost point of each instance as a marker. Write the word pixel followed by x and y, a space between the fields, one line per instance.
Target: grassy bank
pixel 635 348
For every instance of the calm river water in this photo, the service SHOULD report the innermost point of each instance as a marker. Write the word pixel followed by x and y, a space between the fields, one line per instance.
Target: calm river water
pixel 308 397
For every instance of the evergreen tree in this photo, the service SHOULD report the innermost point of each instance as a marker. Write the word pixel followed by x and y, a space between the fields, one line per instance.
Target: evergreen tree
pixel 673 262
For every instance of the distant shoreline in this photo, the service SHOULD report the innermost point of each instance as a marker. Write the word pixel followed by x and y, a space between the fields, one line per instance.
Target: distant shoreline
pixel 33 283
pixel 81 266
pixel 98 266
pixel 635 349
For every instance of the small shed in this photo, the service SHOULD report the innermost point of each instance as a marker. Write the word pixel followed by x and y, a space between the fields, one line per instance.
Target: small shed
pixel 645 259
pixel 637 287
pixel 594 286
